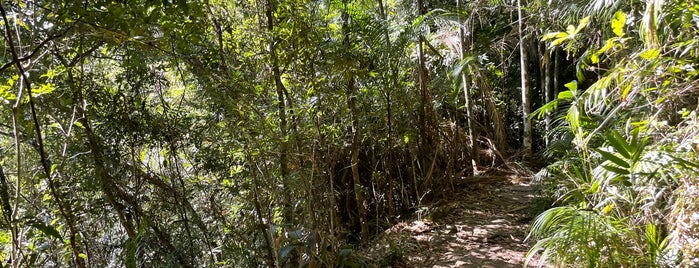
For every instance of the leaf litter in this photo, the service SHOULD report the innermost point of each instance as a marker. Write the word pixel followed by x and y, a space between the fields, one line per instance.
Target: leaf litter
pixel 482 224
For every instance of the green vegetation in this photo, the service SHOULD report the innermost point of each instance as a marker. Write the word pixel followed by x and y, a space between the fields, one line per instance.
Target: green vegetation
pixel 285 133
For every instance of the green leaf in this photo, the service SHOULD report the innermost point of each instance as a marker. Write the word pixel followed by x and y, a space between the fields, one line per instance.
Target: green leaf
pixel 595 56
pixel 583 23
pixel 553 35
pixel 618 142
pixel 613 158
pixel 565 95
pixel 46 229
pixel 650 54
pixel 44 89
pixel 625 92
pixel 545 109
pixel 638 148
pixel 558 41
pixel 78 124
pixel 572 86
pixel 50 74
pixel 616 170
pixel 618 22
pixel 53 168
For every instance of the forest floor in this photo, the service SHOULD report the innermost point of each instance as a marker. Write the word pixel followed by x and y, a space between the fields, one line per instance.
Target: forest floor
pixel 482 224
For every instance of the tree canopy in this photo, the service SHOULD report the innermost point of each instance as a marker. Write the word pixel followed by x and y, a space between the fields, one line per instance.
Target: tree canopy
pixel 285 133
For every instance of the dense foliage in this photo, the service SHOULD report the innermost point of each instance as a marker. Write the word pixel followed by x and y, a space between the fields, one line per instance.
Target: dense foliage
pixel 627 144
pixel 287 132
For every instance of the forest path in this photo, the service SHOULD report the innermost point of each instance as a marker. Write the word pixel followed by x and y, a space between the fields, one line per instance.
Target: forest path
pixel 482 224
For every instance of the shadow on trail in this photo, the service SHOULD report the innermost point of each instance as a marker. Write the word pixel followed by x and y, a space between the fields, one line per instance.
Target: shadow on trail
pixel 483 224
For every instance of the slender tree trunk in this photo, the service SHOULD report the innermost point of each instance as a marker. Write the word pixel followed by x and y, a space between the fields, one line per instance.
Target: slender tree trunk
pixel 527 125
pixel 261 224
pixel 356 133
pixel 390 83
pixel 548 87
pixel 281 90
pixel 467 96
pixel 8 218
pixel 425 113
pixel 493 113
pixel 16 238
pixel 64 208
pixel 556 72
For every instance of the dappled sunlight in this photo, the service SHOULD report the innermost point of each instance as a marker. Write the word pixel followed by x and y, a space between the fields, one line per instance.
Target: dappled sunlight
pixel 483 229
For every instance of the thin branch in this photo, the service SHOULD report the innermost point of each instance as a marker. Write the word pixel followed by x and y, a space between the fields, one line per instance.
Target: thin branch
pixel 65 211
pixel 36 49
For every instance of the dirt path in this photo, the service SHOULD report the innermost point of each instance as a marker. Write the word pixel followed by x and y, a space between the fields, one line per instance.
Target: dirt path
pixel 482 225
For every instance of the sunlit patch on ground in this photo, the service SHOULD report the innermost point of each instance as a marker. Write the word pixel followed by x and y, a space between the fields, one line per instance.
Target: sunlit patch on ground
pixel 483 228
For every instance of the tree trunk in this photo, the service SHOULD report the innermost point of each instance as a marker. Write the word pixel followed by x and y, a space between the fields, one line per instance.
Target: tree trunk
pixel 390 82
pixel 280 90
pixel 425 113
pixel 65 209
pixel 527 125
pixel 548 87
pixel 556 72
pixel 467 96
pixel 262 226
pixel 356 133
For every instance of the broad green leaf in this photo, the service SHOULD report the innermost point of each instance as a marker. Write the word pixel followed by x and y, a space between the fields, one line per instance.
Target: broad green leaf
pixel 650 54
pixel 573 117
pixel 618 22
pixel 46 229
pixel 619 143
pixel 558 41
pixel 583 23
pixel 616 170
pixel 553 35
pixel 608 208
pixel 565 95
pixel 613 158
pixel 639 146
pixel 545 109
pixel 44 89
pixel 609 44
pixel 50 74
pixel 572 86
pixel 625 92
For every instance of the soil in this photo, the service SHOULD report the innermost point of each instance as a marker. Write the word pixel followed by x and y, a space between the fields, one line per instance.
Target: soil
pixel 482 224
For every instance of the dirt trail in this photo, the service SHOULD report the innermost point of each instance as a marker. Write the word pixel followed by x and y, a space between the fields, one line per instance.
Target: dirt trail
pixel 483 224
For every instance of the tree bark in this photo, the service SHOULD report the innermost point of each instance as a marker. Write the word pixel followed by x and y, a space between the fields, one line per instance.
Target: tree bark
pixel 467 96
pixel 556 73
pixel 388 162
pixel 548 87
pixel 280 90
pixel 425 113
pixel 64 207
pixel 356 133
pixel 527 126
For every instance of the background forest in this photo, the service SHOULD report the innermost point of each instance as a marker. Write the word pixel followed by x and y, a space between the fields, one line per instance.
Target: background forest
pixel 216 133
